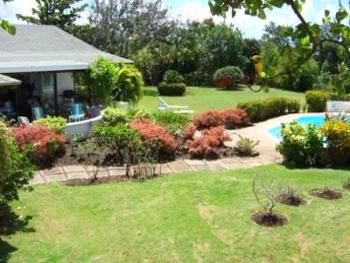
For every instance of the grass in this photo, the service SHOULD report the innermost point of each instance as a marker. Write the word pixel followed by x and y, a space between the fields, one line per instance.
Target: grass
pixel 193 217
pixel 201 99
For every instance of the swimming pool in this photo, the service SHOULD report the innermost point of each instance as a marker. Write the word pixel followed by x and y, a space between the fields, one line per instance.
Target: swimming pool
pixel 317 119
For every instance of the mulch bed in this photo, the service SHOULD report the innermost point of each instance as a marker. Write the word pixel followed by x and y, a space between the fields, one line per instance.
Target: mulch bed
pixel 269 219
pixel 326 193
pixel 291 200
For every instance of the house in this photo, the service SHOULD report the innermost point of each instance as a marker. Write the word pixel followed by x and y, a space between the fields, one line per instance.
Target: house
pixel 37 65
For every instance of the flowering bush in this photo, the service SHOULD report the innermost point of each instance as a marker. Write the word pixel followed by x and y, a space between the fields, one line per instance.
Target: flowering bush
pixel 207 146
pixel 301 147
pixel 337 136
pixel 153 134
pixel 208 120
pixel 46 144
pixel 235 118
pixel 189 131
pixel 227 76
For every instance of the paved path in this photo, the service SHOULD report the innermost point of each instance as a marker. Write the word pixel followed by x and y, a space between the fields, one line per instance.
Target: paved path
pixel 266 148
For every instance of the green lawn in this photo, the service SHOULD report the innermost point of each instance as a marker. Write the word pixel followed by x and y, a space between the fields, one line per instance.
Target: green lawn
pixel 193 217
pixel 202 99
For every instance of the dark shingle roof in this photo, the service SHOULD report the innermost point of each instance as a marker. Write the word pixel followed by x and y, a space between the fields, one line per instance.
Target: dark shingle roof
pixel 37 48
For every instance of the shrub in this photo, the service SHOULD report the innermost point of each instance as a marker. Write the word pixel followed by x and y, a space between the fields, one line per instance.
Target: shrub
pixel 172 76
pixel 58 124
pixel 208 120
pixel 301 147
pixel 235 118
pixel 116 137
pixel 189 131
pixel 208 145
pixel 114 116
pixel 47 145
pixel 16 169
pixel 337 138
pixel 261 110
pixel 153 134
pixel 123 142
pixel 138 113
pixel 316 100
pixel 171 89
pixel 173 122
pixel 227 76
pixel 246 146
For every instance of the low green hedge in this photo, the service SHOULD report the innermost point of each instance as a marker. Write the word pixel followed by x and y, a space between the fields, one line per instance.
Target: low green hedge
pixel 261 110
pixel 172 89
pixel 316 100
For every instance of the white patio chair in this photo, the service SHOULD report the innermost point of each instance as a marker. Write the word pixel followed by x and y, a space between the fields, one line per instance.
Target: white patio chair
pixel 164 106
pixel 23 120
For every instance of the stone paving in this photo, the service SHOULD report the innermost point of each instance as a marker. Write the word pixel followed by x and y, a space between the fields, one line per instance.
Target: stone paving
pixel 266 148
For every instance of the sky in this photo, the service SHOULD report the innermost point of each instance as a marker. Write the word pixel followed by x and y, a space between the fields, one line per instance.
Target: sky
pixel 198 10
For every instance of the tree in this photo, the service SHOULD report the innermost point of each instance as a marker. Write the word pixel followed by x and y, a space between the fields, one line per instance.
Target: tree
pixel 109 82
pixel 124 27
pixel 4 24
pixel 61 13
pixel 309 35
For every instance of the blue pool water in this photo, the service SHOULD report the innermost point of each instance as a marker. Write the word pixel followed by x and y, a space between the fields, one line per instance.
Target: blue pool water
pixel 317 120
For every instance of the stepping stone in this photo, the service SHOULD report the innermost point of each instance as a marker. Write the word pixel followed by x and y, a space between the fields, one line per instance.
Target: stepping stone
pixel 165 169
pixel 216 165
pixel 53 171
pixel 37 179
pixel 116 171
pixel 195 162
pixel 73 168
pixel 55 178
pixel 77 175
pixel 179 166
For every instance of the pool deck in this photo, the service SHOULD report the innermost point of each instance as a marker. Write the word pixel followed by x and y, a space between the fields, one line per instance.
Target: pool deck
pixel 260 132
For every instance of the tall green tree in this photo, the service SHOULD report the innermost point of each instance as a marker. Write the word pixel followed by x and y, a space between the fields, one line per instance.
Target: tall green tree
pixel 61 13
pixel 4 24
pixel 123 27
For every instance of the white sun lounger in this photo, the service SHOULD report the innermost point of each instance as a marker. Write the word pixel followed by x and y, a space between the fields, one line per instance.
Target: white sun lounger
pixel 338 106
pixel 164 106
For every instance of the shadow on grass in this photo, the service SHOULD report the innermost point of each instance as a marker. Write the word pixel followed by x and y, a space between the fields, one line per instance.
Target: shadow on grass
pixel 232 89
pixel 10 223
pixel 150 92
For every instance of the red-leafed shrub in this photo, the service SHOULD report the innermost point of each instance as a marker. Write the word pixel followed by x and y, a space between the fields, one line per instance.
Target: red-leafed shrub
pixel 156 135
pixel 46 145
pixel 208 145
pixel 208 120
pixel 189 131
pixel 235 118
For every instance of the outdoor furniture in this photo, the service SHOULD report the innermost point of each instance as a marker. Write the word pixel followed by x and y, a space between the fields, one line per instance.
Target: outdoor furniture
pixel 23 120
pixel 164 106
pixel 37 112
pixel 8 110
pixel 77 113
pixel 338 106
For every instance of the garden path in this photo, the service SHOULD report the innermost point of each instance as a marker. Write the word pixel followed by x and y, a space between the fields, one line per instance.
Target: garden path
pixel 259 131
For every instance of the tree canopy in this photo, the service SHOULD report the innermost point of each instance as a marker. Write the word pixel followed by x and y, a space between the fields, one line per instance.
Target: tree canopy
pixel 311 36
pixel 4 24
pixel 61 13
